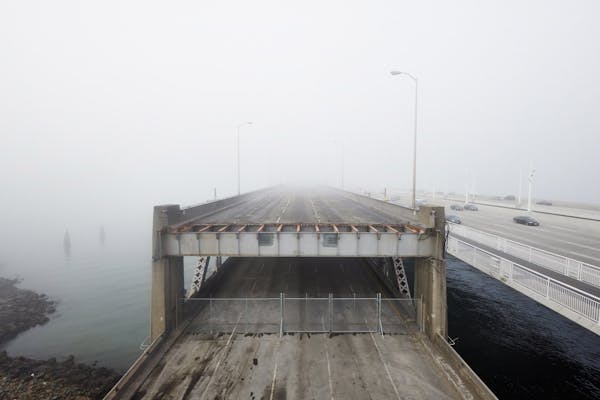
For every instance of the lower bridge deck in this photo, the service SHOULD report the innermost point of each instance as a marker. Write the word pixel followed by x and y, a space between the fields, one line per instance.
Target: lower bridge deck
pixel 241 356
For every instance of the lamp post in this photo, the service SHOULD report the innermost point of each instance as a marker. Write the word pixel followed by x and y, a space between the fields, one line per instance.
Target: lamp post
pixel 531 173
pixel 414 197
pixel 238 154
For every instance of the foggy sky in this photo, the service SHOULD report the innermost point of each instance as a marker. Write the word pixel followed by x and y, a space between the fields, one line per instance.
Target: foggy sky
pixel 108 108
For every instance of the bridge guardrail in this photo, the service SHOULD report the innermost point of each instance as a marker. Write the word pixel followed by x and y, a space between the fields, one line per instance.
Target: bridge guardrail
pixel 563 265
pixel 575 300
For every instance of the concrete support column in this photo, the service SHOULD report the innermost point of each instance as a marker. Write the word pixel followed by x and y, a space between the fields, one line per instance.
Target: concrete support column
pixel 167 276
pixel 167 290
pixel 430 278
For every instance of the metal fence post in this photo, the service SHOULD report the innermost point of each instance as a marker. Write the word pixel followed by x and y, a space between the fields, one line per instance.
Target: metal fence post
pixel 281 305
pixel 379 324
pixel 422 324
pixel 177 312
pixel 246 314
pixel 330 311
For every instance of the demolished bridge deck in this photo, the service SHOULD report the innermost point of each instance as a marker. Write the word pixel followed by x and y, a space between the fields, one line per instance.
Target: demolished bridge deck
pixel 284 221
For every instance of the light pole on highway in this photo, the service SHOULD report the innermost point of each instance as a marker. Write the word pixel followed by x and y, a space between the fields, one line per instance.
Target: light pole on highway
pixel 520 185
pixel 531 173
pixel 238 153
pixel 416 81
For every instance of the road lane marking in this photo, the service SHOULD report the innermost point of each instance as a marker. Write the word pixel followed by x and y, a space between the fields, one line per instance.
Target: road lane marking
pixel 387 370
pixel 223 357
pixel 540 245
pixel 312 203
pixel 283 210
pixel 275 370
pixel 328 370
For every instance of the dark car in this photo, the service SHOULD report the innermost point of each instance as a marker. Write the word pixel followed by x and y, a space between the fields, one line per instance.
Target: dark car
pixel 526 220
pixel 544 203
pixel 454 219
pixel 456 207
pixel 471 207
pixel 510 197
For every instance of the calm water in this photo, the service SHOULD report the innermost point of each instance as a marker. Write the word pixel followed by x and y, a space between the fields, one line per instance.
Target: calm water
pixel 521 349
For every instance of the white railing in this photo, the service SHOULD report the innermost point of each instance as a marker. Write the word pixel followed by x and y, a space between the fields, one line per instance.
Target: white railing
pixel 579 270
pixel 584 304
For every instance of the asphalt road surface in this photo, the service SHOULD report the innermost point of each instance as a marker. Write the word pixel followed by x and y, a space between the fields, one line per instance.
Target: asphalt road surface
pixel 250 365
pixel 306 205
pixel 570 237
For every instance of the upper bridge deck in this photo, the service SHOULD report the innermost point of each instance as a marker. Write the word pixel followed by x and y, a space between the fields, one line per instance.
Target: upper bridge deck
pixel 297 221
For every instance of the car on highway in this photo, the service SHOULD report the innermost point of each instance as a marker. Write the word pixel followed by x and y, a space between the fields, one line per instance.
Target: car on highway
pixel 456 207
pixel 544 203
pixel 470 207
pixel 526 220
pixel 454 219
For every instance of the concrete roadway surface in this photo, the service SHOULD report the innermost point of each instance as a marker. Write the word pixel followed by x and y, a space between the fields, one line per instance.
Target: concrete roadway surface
pixel 235 365
pixel 289 205
pixel 570 237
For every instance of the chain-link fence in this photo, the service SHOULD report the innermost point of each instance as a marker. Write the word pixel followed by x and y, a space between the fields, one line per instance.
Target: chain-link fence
pixel 245 315
pixel 397 314
pixel 300 314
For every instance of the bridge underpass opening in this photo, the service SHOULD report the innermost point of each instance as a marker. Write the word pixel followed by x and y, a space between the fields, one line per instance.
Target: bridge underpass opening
pixel 301 295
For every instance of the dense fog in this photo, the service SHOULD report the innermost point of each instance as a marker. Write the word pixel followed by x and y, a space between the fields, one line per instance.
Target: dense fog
pixel 107 108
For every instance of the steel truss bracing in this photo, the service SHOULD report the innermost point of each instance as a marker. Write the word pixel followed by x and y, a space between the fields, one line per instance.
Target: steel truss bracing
pixel 401 277
pixel 199 276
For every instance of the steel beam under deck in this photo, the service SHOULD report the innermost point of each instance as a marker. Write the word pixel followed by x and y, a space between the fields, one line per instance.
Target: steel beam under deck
pixel 297 240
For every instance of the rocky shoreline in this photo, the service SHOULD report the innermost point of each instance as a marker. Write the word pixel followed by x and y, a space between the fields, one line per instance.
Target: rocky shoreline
pixel 24 378
pixel 21 309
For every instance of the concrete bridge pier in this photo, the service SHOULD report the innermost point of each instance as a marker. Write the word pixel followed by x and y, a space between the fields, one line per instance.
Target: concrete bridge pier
pixel 167 276
pixel 430 277
pixel 430 288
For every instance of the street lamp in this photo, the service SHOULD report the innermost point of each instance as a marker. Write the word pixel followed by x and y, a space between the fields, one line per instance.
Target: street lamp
pixel 238 153
pixel 531 173
pixel 414 199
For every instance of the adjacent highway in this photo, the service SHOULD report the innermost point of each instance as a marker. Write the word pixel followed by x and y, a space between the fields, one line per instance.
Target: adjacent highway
pixel 576 238
pixel 570 237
